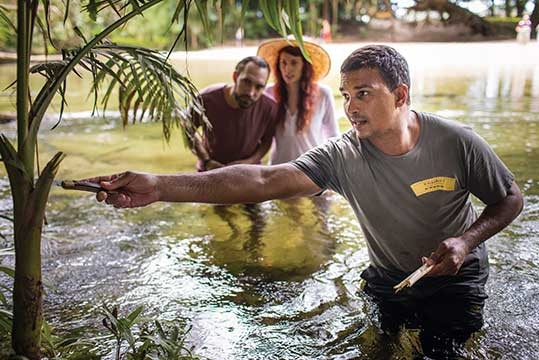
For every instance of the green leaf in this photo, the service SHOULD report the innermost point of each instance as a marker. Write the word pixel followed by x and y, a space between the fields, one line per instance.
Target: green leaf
pixel 134 314
pixel 92 9
pixel 202 7
pixel 4 17
pixel 244 8
pixel 8 271
pixel 292 9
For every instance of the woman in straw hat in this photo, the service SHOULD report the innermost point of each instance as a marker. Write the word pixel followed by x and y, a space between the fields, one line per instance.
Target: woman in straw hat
pixel 305 114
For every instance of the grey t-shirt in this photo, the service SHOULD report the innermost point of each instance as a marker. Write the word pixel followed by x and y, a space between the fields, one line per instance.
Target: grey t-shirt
pixel 408 204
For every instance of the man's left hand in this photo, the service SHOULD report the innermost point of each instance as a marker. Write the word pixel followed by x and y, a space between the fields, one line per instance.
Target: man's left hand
pixel 448 257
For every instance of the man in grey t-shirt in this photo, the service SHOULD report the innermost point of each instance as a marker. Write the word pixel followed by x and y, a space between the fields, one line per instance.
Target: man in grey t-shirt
pixel 408 176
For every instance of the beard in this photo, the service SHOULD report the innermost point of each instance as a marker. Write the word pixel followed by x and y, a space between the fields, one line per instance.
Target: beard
pixel 244 101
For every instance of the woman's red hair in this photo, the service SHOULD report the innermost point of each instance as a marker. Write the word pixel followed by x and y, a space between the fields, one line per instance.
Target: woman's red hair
pixel 308 90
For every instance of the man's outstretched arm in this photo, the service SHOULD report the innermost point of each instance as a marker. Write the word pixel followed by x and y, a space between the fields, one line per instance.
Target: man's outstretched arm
pixel 229 185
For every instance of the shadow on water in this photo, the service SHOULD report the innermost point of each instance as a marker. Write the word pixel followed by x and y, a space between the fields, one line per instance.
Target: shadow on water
pixel 278 280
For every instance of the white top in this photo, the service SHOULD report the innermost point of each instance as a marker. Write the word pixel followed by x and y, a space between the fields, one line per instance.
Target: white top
pixel 288 144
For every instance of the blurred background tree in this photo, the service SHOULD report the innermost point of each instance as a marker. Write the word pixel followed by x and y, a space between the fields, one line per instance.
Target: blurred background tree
pixel 350 20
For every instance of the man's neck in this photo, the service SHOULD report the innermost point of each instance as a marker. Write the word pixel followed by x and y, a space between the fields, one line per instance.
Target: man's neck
pixel 228 91
pixel 403 138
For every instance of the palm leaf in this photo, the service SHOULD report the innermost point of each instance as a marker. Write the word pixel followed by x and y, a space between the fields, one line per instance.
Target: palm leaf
pixel 292 9
pixel 38 198
pixel 51 87
pixel 146 84
pixel 4 16
pixel 95 6
pixel 202 8
pixel 244 7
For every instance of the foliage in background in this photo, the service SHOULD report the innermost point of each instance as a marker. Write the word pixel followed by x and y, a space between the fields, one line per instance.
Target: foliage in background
pixel 224 17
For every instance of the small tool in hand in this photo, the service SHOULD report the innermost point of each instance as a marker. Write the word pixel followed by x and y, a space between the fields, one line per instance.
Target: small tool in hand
pixel 79 185
pixel 413 277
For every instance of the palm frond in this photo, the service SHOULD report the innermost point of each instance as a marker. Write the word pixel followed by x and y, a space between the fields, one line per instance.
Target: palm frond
pixel 146 83
pixel 283 16
pixel 202 8
pixel 244 8
pixel 292 9
pixel 181 7
pixel 95 6
pixel 5 17
pixel 45 26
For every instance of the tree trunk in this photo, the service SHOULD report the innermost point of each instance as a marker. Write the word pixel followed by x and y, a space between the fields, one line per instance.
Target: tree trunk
pixel 334 15
pixel 520 7
pixel 29 203
pixel 492 8
pixel 534 17
pixel 313 19
pixel 508 8
pixel 325 10
pixel 27 287
pixel 457 15
pixel 27 293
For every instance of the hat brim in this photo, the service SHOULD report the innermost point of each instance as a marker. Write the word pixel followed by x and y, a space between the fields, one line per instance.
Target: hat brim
pixel 320 60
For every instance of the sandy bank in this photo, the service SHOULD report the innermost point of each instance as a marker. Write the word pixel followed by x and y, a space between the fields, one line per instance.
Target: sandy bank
pixel 418 54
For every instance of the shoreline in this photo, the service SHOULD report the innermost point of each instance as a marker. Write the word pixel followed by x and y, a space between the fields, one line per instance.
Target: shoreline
pixel 507 52
pixel 499 51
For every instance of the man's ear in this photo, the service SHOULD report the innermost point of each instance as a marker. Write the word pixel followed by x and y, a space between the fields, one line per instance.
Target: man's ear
pixel 235 76
pixel 401 95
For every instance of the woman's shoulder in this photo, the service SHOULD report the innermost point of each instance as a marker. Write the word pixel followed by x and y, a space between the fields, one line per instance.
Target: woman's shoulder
pixel 325 94
pixel 269 91
pixel 324 90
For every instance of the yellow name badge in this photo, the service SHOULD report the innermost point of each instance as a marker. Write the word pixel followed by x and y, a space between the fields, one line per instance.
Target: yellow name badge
pixel 434 184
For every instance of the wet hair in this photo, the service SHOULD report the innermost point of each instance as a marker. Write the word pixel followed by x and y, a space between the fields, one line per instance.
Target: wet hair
pixel 257 60
pixel 308 90
pixel 391 65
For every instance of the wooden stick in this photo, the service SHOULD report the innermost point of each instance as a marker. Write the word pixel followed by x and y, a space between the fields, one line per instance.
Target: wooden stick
pixel 413 277
pixel 81 185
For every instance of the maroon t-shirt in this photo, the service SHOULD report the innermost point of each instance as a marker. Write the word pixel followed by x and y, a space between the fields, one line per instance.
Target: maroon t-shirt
pixel 236 133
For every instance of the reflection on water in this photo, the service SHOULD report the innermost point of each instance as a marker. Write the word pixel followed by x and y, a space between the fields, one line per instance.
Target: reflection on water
pixel 279 280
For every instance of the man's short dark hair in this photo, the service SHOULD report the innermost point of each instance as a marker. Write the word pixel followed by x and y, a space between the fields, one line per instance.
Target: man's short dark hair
pixel 257 60
pixel 391 65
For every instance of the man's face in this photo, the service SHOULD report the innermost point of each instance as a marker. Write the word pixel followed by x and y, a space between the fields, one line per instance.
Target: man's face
pixel 370 106
pixel 249 84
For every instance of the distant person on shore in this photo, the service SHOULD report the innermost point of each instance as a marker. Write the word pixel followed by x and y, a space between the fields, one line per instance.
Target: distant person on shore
pixel 242 119
pixel 306 109
pixel 524 30
pixel 239 37
pixel 325 32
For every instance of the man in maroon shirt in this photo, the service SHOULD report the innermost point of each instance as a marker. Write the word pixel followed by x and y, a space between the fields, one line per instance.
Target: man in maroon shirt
pixel 242 119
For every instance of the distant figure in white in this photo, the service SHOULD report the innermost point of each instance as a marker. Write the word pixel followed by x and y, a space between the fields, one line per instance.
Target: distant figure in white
pixel 524 30
pixel 239 37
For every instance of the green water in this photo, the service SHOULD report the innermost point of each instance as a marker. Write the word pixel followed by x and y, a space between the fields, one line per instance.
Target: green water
pixel 278 280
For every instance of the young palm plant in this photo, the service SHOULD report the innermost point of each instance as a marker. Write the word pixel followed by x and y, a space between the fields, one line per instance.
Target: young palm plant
pixel 148 87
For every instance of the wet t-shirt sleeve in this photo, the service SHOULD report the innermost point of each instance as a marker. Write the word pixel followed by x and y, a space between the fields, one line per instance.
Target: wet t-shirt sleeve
pixel 319 164
pixel 487 176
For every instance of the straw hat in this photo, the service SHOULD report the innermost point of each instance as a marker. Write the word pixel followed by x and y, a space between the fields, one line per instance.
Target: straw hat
pixel 269 50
